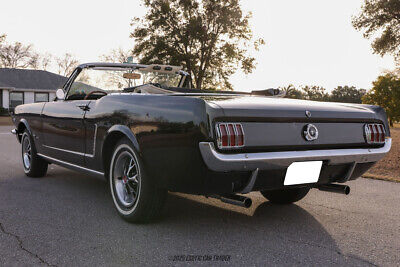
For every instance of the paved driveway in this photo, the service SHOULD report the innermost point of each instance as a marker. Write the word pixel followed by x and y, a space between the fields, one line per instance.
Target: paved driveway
pixel 68 218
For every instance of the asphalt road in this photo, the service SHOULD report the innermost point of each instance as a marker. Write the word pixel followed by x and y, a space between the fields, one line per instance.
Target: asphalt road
pixel 68 218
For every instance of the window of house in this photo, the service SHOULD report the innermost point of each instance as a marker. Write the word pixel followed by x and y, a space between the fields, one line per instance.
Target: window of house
pixel 16 98
pixel 41 97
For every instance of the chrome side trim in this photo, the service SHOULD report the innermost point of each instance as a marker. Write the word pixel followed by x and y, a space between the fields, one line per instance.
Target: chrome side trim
pixel 94 142
pixel 79 153
pixel 217 161
pixel 65 150
pixel 70 164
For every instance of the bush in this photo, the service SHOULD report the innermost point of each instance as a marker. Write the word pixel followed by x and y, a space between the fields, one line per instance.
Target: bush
pixel 386 93
pixel 4 112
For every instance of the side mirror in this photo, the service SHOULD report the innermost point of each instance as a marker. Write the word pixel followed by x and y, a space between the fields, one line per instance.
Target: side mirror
pixel 60 94
pixel 270 92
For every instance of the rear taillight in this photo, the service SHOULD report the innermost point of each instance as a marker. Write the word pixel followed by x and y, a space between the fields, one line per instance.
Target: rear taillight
pixel 230 135
pixel 374 133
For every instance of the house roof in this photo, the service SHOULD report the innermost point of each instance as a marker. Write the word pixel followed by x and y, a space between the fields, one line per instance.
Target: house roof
pixel 30 79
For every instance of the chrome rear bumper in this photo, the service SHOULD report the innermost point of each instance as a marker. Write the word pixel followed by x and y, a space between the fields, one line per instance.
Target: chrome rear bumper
pixel 276 160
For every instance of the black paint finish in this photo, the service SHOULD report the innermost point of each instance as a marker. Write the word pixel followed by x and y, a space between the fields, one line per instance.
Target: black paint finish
pixel 166 131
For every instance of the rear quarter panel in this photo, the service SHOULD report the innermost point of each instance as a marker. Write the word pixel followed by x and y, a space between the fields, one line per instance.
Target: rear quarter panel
pixel 168 130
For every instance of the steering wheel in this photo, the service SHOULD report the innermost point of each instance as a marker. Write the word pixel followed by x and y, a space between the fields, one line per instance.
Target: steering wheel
pixel 94 92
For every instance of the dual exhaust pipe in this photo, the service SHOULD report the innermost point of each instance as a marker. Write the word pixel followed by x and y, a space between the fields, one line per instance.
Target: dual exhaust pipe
pixel 246 202
pixel 334 188
pixel 236 200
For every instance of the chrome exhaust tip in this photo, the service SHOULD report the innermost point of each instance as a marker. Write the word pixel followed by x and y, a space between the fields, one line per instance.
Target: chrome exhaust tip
pixel 335 188
pixel 236 200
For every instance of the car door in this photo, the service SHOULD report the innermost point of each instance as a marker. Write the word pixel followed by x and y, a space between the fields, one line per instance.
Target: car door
pixel 63 127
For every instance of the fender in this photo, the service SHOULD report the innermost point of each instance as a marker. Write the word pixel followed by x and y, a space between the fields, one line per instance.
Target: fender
pixel 381 114
pixel 20 127
pixel 126 131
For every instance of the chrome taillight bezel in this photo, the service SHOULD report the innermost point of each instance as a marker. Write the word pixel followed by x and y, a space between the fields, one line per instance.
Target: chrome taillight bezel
pixel 227 125
pixel 374 133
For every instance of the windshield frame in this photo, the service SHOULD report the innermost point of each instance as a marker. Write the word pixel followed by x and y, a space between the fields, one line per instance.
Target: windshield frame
pixel 123 66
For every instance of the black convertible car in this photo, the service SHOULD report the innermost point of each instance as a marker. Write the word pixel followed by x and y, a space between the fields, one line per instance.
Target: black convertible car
pixel 145 130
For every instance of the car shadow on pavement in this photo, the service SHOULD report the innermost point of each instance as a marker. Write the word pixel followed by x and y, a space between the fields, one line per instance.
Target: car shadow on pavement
pixel 284 231
pixel 75 213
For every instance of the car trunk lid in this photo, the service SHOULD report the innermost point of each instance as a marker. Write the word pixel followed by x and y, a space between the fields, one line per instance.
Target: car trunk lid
pixel 272 124
pixel 283 109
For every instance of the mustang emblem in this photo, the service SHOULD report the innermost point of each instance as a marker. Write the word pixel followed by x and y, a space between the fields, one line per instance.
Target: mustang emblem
pixel 310 132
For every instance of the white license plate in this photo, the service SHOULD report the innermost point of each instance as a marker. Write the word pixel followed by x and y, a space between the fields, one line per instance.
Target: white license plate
pixel 303 172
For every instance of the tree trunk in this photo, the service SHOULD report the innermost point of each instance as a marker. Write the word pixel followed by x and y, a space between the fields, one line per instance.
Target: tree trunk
pixel 390 122
pixel 199 81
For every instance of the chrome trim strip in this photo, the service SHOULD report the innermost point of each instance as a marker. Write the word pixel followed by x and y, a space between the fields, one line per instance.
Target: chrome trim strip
pixel 218 132
pixel 217 161
pixel 65 150
pixel 79 153
pixel 94 143
pixel 70 164
pixel 235 132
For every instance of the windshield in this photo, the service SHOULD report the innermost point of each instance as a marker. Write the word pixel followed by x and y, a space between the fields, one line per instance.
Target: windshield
pixel 118 79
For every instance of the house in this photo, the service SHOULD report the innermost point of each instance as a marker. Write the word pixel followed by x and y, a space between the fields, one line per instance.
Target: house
pixel 22 86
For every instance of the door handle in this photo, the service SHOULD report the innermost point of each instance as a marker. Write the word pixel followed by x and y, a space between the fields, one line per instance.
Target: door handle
pixel 84 107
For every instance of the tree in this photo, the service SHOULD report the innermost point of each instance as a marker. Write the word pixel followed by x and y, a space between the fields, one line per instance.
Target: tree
pixel 292 92
pixel 2 38
pixel 209 38
pixel 66 64
pixel 117 56
pixel 347 94
pixel 314 92
pixel 386 93
pixel 382 18
pixel 41 61
pixel 17 55
pixel 396 72
pixel 45 61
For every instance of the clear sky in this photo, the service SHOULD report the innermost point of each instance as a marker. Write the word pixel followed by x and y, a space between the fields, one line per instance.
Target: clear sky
pixel 307 42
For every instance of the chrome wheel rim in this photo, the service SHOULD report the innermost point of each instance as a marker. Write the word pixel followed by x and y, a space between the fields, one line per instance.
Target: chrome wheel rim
pixel 26 152
pixel 126 178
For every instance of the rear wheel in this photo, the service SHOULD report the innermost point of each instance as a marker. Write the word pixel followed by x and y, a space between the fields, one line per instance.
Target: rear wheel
pixel 286 195
pixel 34 166
pixel 135 195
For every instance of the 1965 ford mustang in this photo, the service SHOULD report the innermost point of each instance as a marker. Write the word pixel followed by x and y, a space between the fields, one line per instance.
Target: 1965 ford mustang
pixel 145 130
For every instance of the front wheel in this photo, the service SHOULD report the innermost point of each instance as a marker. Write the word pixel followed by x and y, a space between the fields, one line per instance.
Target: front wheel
pixel 286 195
pixel 34 166
pixel 136 197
